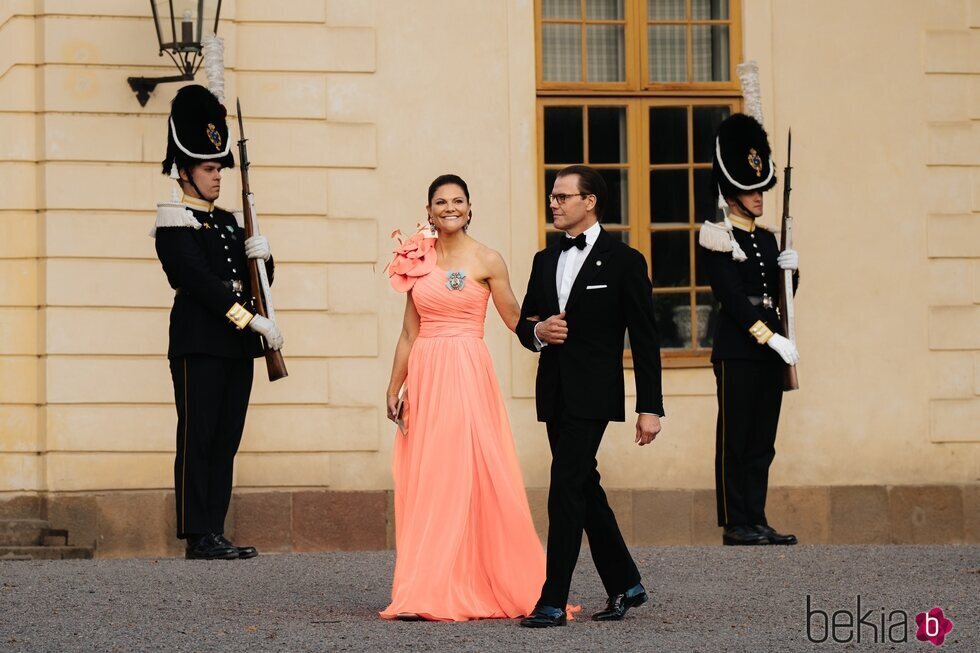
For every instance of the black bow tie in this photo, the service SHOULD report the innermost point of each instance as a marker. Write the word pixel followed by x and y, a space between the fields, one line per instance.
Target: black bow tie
pixel 578 241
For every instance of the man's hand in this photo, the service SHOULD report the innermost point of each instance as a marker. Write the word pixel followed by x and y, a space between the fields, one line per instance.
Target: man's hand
pixel 788 259
pixel 552 331
pixel 647 428
pixel 268 330
pixel 258 247
pixel 785 348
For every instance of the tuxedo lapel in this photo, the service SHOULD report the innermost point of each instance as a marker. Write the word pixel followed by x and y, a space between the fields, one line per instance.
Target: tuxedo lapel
pixel 590 268
pixel 549 272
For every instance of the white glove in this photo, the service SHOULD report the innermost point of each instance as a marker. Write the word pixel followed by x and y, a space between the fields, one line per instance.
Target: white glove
pixel 788 259
pixel 785 348
pixel 258 247
pixel 268 330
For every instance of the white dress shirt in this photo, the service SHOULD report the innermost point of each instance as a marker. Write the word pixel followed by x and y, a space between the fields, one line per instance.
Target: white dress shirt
pixel 570 264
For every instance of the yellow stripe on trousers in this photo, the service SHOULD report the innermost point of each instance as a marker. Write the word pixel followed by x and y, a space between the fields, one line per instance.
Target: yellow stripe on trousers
pixel 724 493
pixel 183 467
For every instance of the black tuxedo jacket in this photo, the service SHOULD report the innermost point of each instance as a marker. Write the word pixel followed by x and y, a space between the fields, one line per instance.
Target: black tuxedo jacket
pixel 611 294
pixel 200 264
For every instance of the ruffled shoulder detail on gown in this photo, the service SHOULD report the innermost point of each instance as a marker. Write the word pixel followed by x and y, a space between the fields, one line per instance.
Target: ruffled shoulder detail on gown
pixel 415 257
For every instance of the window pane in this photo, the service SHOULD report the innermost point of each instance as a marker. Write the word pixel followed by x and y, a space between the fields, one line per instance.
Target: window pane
pixel 563 135
pixel 668 135
pixel 709 9
pixel 706 121
pixel 671 258
pixel 607 134
pixel 667 53
pixel 705 196
pixel 617 202
pixel 552 237
pixel 606 53
pixel 620 235
pixel 561 50
pixel 668 196
pixel 549 183
pixel 666 10
pixel 705 314
pixel 710 53
pixel 673 314
pixel 604 9
pixel 561 8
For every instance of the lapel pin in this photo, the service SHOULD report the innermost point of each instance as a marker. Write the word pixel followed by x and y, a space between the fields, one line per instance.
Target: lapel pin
pixel 598 262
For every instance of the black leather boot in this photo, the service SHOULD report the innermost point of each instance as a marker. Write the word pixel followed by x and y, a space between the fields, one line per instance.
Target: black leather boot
pixel 207 547
pixel 244 552
pixel 617 605
pixel 545 616
pixel 743 536
pixel 774 538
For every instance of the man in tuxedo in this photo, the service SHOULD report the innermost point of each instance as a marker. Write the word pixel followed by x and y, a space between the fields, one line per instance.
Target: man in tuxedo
pixel 584 293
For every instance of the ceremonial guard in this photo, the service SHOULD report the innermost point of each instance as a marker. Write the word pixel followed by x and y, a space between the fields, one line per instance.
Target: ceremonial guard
pixel 215 331
pixel 750 352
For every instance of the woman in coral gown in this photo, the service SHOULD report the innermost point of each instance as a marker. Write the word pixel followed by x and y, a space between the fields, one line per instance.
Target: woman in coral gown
pixel 466 545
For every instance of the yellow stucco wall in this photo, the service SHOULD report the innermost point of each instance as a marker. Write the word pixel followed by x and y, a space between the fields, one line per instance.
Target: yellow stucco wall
pixel 352 107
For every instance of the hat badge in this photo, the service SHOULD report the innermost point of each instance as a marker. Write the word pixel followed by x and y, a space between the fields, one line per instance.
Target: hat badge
pixel 215 136
pixel 755 162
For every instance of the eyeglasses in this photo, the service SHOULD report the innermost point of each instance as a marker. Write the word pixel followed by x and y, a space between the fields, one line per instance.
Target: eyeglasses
pixel 561 198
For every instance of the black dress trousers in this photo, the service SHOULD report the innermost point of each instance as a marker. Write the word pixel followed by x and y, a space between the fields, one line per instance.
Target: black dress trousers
pixel 212 398
pixel 577 502
pixel 750 394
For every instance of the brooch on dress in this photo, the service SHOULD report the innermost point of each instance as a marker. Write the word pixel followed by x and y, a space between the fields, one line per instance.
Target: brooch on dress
pixel 456 280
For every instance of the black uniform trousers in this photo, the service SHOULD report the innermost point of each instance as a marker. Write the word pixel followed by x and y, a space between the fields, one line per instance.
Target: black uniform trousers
pixel 576 502
pixel 212 399
pixel 750 393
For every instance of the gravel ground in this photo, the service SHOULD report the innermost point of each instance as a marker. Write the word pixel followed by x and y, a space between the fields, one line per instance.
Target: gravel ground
pixel 703 599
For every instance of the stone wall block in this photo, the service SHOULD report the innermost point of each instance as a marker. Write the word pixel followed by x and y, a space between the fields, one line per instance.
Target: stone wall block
pixel 344 521
pixel 926 514
pixel 662 516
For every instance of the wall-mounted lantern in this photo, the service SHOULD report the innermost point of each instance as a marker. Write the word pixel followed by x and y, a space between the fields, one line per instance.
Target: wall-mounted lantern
pixel 184 26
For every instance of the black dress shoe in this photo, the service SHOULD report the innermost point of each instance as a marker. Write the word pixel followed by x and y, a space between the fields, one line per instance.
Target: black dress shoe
pixel 743 536
pixel 207 547
pixel 774 538
pixel 545 616
pixel 244 552
pixel 617 605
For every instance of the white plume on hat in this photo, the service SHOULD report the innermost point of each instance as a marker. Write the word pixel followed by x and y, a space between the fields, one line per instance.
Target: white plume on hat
pixel 213 47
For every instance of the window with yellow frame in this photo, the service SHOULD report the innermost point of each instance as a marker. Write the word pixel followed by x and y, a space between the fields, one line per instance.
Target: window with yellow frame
pixel 636 89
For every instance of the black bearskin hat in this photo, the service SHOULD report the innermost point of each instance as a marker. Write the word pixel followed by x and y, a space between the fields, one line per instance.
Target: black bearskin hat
pixel 743 158
pixel 196 130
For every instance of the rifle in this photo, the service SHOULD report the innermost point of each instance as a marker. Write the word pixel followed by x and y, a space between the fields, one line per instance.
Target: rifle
pixel 787 315
pixel 256 269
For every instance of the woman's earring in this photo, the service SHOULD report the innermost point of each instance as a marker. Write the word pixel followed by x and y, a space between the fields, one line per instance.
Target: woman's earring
pixel 432 228
pixel 466 227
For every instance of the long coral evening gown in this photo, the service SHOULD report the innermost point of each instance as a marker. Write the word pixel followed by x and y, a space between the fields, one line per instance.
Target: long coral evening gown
pixel 466 545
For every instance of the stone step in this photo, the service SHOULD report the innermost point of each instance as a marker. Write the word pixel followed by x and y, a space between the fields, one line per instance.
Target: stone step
pixel 45 553
pixel 22 532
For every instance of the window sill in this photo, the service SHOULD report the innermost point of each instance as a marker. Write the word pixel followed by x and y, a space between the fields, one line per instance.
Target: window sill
pixel 673 361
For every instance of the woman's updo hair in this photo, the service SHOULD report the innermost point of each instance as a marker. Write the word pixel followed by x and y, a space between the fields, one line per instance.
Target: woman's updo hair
pixel 445 180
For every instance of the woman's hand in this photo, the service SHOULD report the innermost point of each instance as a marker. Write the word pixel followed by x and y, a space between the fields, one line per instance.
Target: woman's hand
pixel 393 408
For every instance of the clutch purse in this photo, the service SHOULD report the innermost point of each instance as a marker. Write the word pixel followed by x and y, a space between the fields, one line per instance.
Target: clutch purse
pixel 400 412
